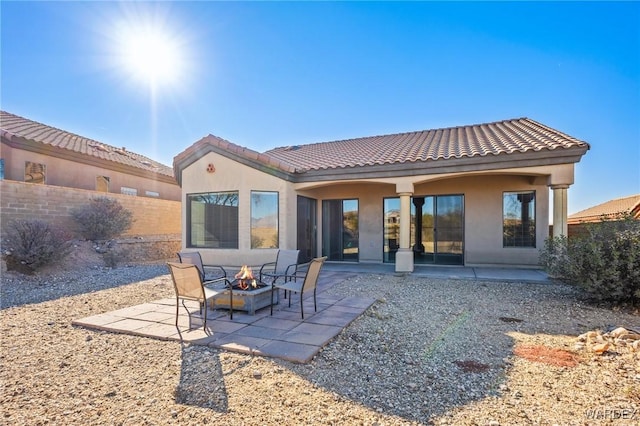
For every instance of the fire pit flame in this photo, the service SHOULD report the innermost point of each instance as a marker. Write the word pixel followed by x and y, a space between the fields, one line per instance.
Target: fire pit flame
pixel 245 278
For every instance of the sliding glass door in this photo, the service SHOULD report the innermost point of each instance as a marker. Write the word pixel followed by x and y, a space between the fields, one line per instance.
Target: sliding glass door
pixel 448 229
pixel 437 229
pixel 340 230
pixel 307 225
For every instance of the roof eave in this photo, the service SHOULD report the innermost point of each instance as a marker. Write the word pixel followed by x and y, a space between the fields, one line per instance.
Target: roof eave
pixel 450 165
pixel 19 142
pixel 252 159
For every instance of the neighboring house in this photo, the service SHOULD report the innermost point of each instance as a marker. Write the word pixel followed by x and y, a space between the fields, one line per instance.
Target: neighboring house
pixel 468 195
pixel 37 153
pixel 609 210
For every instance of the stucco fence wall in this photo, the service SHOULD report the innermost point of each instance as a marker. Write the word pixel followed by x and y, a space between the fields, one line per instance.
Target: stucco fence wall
pixel 154 234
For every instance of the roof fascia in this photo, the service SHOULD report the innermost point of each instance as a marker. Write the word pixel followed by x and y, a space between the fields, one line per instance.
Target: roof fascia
pixel 200 151
pixel 18 142
pixel 456 165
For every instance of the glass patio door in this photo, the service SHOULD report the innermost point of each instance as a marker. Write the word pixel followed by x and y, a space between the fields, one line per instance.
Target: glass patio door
pixel 307 228
pixel 437 229
pixel 340 240
pixel 448 230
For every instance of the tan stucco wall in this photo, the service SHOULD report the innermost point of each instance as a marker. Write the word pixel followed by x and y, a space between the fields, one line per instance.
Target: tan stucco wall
pixel 230 175
pixel 483 197
pixel 483 216
pixel 370 221
pixel 67 173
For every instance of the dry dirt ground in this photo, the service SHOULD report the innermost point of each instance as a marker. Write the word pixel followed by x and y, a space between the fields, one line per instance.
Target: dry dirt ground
pixel 52 373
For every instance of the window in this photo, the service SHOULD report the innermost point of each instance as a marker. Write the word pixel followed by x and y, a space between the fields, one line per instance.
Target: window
pixel 212 220
pixel 34 172
pixel 128 191
pixel 102 184
pixel 519 219
pixel 151 194
pixel 264 219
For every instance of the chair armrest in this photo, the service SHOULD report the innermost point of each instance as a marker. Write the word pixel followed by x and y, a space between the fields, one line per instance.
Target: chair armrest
pixel 211 284
pixel 302 267
pixel 222 272
pixel 292 269
pixel 298 270
pixel 268 266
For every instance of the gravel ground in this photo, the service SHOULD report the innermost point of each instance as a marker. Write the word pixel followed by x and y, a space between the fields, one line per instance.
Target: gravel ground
pixel 427 352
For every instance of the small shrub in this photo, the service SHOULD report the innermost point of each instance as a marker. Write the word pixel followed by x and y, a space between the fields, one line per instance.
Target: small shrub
pixel 112 253
pixel 113 257
pixel 32 244
pixel 102 219
pixel 604 261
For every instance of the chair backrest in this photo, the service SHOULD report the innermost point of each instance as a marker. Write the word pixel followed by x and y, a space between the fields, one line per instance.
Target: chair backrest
pixel 311 279
pixel 285 259
pixel 194 258
pixel 186 280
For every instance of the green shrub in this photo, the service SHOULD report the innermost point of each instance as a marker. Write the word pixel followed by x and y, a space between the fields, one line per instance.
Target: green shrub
pixel 102 219
pixel 604 260
pixel 32 244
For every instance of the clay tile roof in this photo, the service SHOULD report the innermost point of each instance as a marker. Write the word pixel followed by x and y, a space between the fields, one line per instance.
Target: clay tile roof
pixel 13 126
pixel 479 140
pixel 610 209
pixel 215 143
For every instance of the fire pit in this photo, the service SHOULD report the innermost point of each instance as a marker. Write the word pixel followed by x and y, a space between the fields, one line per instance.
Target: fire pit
pixel 245 281
pixel 249 294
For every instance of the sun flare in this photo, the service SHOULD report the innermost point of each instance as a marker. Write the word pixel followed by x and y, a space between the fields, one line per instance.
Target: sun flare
pixel 151 55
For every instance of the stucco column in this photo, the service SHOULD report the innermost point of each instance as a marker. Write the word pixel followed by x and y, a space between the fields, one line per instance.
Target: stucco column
pixel 404 255
pixel 560 210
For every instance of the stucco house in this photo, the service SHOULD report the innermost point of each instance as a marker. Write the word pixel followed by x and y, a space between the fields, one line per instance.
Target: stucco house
pixel 37 153
pixel 467 195
pixel 609 210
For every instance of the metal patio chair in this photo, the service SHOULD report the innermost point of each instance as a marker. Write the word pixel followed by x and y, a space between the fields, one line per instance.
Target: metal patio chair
pixel 286 265
pixel 188 285
pixel 208 273
pixel 310 282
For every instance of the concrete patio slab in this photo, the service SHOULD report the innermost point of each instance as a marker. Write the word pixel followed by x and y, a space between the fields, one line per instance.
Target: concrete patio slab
pixel 289 351
pixel 284 335
pixel 335 317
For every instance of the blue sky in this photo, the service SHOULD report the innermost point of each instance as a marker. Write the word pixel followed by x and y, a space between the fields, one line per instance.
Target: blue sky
pixel 267 74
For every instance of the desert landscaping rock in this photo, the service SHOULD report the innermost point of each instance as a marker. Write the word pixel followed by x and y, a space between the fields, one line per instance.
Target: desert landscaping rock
pixel 429 351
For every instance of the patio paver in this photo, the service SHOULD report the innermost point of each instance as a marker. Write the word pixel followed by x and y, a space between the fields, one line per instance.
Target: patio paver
pixel 284 335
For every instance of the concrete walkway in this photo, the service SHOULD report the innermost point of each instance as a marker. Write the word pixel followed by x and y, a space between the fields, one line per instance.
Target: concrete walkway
pixel 447 272
pixel 284 335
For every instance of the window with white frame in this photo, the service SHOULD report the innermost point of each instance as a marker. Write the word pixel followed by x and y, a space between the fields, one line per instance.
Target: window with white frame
pixel 128 191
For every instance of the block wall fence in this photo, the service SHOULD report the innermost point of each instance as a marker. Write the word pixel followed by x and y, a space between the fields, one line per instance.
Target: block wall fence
pixel 153 219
